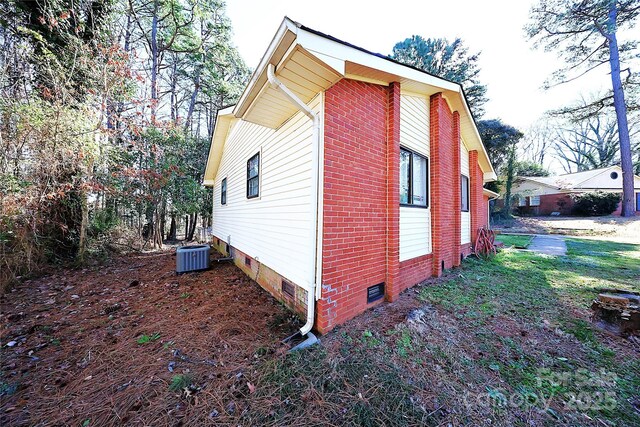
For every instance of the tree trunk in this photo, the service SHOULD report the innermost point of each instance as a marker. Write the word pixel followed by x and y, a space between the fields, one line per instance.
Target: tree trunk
pixel 84 223
pixel 154 63
pixel 193 224
pixel 186 227
pixel 163 219
pixel 621 115
pixel 172 228
pixel 192 101
pixel 506 210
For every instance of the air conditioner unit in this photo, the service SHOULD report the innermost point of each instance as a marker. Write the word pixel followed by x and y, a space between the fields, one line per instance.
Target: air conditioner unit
pixel 192 258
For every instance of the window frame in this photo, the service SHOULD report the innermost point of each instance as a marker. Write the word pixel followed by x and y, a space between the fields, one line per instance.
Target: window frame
pixel 464 178
pixel 256 177
pixel 410 203
pixel 531 203
pixel 223 191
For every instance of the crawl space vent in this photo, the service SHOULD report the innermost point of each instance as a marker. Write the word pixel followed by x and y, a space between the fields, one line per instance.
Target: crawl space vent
pixel 287 289
pixel 375 292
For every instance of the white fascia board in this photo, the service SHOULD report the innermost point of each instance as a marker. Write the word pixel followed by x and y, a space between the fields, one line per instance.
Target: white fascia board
pixel 260 72
pixel 491 194
pixel 224 121
pixel 491 172
pixel 326 48
pixel 489 176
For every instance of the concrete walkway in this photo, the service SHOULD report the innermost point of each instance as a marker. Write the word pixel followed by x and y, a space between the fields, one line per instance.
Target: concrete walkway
pixel 548 244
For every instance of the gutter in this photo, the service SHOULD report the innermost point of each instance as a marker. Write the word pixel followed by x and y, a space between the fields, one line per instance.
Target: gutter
pixel 315 170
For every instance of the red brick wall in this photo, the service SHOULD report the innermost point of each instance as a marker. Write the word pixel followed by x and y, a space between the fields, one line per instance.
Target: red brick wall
pixel 354 254
pixel 361 198
pixel 415 270
pixel 476 199
pixel 445 185
pixel 549 203
pixel 393 287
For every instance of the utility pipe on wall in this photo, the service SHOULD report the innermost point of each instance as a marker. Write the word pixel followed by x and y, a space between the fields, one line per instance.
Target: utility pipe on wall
pixel 315 156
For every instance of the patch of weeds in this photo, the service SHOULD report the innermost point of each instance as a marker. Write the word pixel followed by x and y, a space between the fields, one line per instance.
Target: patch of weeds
pixel 55 341
pixel 86 422
pixel 369 340
pixel 167 344
pixel 582 330
pixel 7 389
pixel 185 295
pixel 145 339
pixel 404 344
pixel 180 382
pixel 261 351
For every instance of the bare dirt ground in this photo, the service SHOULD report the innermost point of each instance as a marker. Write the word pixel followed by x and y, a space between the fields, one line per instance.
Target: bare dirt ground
pixel 614 228
pixel 131 343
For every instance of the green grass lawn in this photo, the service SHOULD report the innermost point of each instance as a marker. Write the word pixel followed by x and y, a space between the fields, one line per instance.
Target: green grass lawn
pixel 517 241
pixel 501 342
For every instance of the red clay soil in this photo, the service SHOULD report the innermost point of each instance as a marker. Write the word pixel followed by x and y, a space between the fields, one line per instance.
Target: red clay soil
pixel 73 352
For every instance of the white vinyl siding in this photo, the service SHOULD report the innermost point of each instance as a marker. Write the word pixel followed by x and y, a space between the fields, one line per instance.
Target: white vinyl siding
pixel 415 222
pixel 465 217
pixel 273 228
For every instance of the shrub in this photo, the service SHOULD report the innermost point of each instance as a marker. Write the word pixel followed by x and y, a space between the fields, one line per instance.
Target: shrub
pixel 595 203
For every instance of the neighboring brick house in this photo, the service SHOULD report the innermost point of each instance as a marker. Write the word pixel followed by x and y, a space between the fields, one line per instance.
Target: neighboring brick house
pixel 545 195
pixel 342 178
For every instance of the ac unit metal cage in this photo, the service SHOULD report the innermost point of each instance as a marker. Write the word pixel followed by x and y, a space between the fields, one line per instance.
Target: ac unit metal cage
pixel 192 258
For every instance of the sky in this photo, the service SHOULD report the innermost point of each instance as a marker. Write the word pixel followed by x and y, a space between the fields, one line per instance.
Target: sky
pixel 512 70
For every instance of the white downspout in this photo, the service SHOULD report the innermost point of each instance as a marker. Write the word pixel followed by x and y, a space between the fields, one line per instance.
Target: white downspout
pixel 315 167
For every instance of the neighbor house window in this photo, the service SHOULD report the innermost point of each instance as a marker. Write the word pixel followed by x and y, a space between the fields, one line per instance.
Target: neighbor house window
pixel 534 201
pixel 253 176
pixel 464 193
pixel 414 179
pixel 223 192
pixel 522 201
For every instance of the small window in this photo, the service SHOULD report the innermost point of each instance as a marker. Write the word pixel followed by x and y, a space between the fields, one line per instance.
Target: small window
pixel 464 195
pixel 223 192
pixel 414 179
pixel 375 292
pixel 614 175
pixel 534 201
pixel 522 201
pixel 253 176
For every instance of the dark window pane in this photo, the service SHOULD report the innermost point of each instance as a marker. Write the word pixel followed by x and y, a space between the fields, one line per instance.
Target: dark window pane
pixel 405 159
pixel 223 193
pixel 253 166
pixel 464 196
pixel 252 190
pixel 253 176
pixel 419 187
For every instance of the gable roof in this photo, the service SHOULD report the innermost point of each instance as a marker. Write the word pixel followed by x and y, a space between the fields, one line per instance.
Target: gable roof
pixel 584 180
pixel 309 62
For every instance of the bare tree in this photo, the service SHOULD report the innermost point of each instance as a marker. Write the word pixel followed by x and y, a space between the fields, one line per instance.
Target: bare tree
pixel 585 34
